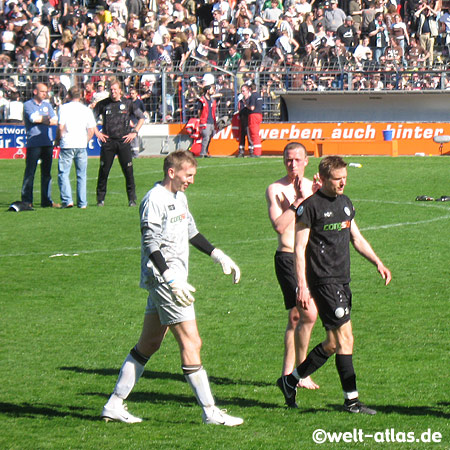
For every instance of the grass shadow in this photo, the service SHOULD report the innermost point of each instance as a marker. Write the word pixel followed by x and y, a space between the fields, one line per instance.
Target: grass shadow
pixel 51 411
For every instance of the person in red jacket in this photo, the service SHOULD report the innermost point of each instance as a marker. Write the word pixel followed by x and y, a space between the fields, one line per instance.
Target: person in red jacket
pixel 254 106
pixel 207 113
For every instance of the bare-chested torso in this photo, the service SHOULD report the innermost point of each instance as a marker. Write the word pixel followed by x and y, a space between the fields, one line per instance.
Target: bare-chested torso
pixel 280 195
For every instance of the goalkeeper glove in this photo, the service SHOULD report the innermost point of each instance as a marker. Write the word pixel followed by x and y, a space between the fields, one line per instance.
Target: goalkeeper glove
pixel 228 265
pixel 181 290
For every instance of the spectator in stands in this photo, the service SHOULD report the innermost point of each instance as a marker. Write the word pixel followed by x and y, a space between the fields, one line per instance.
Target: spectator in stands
pixel 247 47
pixel 14 109
pixel 271 15
pixel 309 60
pixel 306 31
pixel 334 16
pixel 41 35
pixel 8 40
pixel 379 36
pixel 355 10
pixel 363 54
pixel 444 20
pixel 348 34
pixel 233 59
pixel 427 29
pixel 242 12
pixel 261 33
pixel 400 34
pixel 416 54
pixel 367 17
pixel 211 44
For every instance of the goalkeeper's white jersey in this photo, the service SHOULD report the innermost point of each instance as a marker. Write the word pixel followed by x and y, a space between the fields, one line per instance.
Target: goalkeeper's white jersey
pixel 166 225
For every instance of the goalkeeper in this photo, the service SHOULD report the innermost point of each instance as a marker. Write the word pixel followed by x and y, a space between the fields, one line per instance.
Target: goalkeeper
pixel 167 228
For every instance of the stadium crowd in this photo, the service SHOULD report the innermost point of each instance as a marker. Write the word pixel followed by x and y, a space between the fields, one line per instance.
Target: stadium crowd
pixel 163 47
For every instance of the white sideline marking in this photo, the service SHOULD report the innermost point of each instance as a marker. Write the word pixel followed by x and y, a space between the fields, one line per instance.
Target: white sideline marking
pixel 254 241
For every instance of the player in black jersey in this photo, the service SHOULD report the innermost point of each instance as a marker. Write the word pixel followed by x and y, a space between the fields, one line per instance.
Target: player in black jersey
pixel 324 229
pixel 116 137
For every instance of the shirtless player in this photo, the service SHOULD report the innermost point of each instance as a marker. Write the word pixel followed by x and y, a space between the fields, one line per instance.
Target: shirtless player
pixel 283 198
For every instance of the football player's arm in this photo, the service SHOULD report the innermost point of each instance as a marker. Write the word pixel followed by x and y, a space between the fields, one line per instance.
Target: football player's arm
pixel 228 265
pixel 280 219
pixel 301 241
pixel 363 247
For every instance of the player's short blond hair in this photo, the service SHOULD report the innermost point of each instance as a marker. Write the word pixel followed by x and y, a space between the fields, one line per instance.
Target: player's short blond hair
pixel 176 160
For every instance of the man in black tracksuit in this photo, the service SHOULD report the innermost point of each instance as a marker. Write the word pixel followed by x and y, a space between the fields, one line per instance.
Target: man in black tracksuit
pixel 116 137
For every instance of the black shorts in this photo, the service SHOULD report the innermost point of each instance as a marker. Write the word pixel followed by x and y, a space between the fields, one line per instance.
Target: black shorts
pixel 334 304
pixel 285 271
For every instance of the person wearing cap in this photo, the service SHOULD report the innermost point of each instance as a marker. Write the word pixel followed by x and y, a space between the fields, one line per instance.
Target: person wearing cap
pixel 206 108
pixel 334 17
pixel 348 34
pixel 116 137
pixel 41 34
pixel 248 47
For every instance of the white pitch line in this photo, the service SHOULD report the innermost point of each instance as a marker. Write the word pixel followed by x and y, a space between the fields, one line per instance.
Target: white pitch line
pixel 247 241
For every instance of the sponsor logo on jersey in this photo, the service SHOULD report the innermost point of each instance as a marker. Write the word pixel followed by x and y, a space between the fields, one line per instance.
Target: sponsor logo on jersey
pixel 171 207
pixel 178 218
pixel 300 210
pixel 347 210
pixel 328 214
pixel 336 226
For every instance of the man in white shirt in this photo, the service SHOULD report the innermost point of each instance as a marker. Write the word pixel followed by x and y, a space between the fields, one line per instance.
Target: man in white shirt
pixel 76 124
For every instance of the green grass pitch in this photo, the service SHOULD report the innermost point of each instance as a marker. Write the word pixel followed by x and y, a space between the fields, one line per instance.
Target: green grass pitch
pixel 71 309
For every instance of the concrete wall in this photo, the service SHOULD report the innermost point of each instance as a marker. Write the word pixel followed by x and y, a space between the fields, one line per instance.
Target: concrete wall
pixel 387 106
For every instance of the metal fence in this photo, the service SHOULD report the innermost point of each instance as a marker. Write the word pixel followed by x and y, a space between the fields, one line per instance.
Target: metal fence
pixel 171 96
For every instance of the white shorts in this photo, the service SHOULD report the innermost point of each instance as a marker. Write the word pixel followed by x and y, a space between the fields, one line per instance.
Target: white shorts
pixel 160 302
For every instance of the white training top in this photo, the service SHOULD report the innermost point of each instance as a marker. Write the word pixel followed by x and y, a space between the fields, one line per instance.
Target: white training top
pixel 166 225
pixel 77 119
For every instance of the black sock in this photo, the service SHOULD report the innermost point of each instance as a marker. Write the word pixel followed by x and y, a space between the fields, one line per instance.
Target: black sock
pixel 315 360
pixel 344 365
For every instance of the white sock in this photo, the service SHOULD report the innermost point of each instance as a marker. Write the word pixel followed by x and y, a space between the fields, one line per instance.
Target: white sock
pixel 200 385
pixel 129 375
